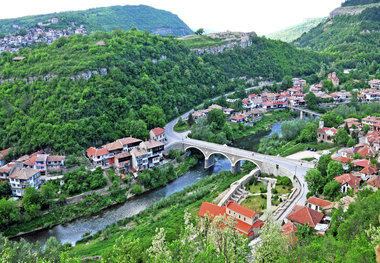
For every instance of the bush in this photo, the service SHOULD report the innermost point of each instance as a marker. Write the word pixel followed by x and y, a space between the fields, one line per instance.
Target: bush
pixel 137 189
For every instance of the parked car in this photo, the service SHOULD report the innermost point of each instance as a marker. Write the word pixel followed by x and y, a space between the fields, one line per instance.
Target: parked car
pixel 307 148
pixel 314 150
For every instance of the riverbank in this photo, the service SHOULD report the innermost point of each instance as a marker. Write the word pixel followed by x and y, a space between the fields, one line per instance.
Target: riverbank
pixel 92 204
pixel 166 213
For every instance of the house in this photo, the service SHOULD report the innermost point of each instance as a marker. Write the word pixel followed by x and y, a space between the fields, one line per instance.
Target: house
pixel 305 215
pixel 139 159
pixel 326 134
pixel 371 121
pixel 98 157
pixel 375 84
pixel 2 156
pixel 157 134
pixel 215 106
pixel 228 111
pixel 247 104
pixel 348 181
pixel 5 171
pixel 20 178
pixel 129 143
pixel 114 147
pixel 289 230
pixel 276 104
pixel 123 161
pixel 374 182
pixel 55 162
pixel 247 221
pixel 154 150
pixel 361 163
pixel 239 118
pixel 350 122
pixel 198 115
pixel 41 163
pixel 367 172
pixel 318 204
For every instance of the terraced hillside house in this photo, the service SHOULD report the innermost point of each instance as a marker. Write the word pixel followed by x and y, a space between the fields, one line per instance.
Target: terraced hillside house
pixel 98 157
pixel 129 143
pixel 155 152
pixel 55 162
pixel 21 178
pixel 247 221
pixel 348 181
pixel 157 134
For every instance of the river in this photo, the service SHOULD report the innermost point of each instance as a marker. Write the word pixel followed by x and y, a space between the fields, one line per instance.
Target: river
pixel 74 231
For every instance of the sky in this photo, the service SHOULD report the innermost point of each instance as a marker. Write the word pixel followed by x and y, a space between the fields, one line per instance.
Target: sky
pixel 261 16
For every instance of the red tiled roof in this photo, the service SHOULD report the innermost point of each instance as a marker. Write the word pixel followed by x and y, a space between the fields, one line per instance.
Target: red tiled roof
pixel 31 161
pixel 325 129
pixel 158 131
pixel 245 101
pixel 361 162
pixel 342 159
pixel 289 228
pixel 113 146
pixel 303 215
pixel 241 209
pixel 55 158
pixel 4 152
pixel 96 152
pixel 369 170
pixel 239 117
pixel 129 140
pixel 349 179
pixel 37 153
pixel 374 181
pixel 319 202
pixel 211 209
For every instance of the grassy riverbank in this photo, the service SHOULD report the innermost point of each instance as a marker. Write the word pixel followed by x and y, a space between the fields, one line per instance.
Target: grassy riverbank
pixel 60 212
pixel 167 213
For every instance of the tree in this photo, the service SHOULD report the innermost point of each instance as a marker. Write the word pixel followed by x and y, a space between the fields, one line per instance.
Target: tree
pixel 287 82
pixel 125 250
pixel 153 116
pixel 315 181
pixel 292 129
pixel 366 129
pixel 272 245
pixel 312 101
pixel 351 142
pixel 341 137
pixel 216 116
pixel 9 212
pixel 332 189
pixel 31 201
pixel 309 134
pixel 138 129
pixel 199 32
pixel 334 169
pixel 47 193
pixel 323 163
pixel 5 190
pixel 190 120
pixel 327 85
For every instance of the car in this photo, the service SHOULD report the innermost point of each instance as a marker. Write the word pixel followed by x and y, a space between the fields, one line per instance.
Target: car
pixel 314 150
pixel 307 148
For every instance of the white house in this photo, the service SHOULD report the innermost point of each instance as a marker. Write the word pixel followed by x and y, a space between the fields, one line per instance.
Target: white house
pixel 23 177
pixel 157 134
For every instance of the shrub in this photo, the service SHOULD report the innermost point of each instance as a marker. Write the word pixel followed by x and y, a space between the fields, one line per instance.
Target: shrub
pixel 137 189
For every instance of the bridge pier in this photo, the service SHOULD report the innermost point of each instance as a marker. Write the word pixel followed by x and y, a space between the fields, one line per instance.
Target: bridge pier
pixel 301 115
pixel 235 168
pixel 210 161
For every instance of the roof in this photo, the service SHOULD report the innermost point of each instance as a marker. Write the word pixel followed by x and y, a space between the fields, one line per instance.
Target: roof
pixel 342 159
pixel 6 168
pixel 101 43
pixel 241 209
pixel 138 152
pixel 23 158
pixel 319 202
pixel 129 140
pixel 4 152
pixel 96 152
pixel 289 227
pixel 37 153
pixel 349 179
pixel 157 131
pixel 228 109
pixel 31 161
pixel 122 155
pixel 361 162
pixel 211 209
pixel 325 129
pixel 18 58
pixel 113 146
pixel 23 173
pixel 369 170
pixel 153 144
pixel 41 158
pixel 245 101
pixel 303 215
pixel 55 158
pixel 239 117
pixel 374 181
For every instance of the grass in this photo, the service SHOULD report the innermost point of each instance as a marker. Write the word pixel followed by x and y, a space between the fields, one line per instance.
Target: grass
pixel 201 41
pixel 283 189
pixel 302 147
pixel 181 128
pixel 255 189
pixel 255 203
pixel 308 159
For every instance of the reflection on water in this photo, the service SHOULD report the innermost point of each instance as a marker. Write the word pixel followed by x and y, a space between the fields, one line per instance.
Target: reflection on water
pixel 73 231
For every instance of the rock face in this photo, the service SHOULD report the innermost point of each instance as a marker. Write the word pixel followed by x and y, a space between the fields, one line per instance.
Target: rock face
pixel 351 10
pixel 230 41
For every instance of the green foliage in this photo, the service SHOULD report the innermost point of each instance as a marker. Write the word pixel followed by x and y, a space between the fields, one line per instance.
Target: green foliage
pixel 334 169
pixel 331 189
pixel 137 189
pixel 283 180
pixel 216 118
pixel 9 213
pixel 200 31
pixel 351 142
pixel 341 137
pixel 315 181
pixel 309 134
pixel 291 129
pixel 143 17
pixel 359 2
pixel 312 101
pixel 323 163
pixel 294 32
pixel 5 190
pixel 31 201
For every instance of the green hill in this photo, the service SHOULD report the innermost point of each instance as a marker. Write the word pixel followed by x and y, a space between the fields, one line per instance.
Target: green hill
pixel 349 36
pixel 150 80
pixel 142 17
pixel 294 32
pixel 359 2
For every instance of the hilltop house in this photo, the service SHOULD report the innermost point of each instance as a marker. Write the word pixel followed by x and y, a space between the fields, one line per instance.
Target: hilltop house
pixel 157 134
pixel 305 215
pixel 348 181
pixel 247 221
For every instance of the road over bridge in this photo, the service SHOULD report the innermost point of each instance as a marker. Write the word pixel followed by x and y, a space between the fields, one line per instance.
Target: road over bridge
pixel 305 112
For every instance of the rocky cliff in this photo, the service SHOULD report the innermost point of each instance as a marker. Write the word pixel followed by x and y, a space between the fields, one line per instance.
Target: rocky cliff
pixel 351 10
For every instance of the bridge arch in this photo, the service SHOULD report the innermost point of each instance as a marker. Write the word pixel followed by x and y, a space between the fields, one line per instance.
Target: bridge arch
pixel 197 148
pixel 258 165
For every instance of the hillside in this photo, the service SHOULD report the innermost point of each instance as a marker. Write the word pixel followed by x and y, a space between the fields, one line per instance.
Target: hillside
pixel 294 32
pixel 76 93
pixel 142 17
pixel 348 38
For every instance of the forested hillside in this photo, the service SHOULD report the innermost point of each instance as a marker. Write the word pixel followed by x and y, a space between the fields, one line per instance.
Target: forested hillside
pixel 294 32
pixel 359 2
pixel 150 80
pixel 142 17
pixel 348 39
